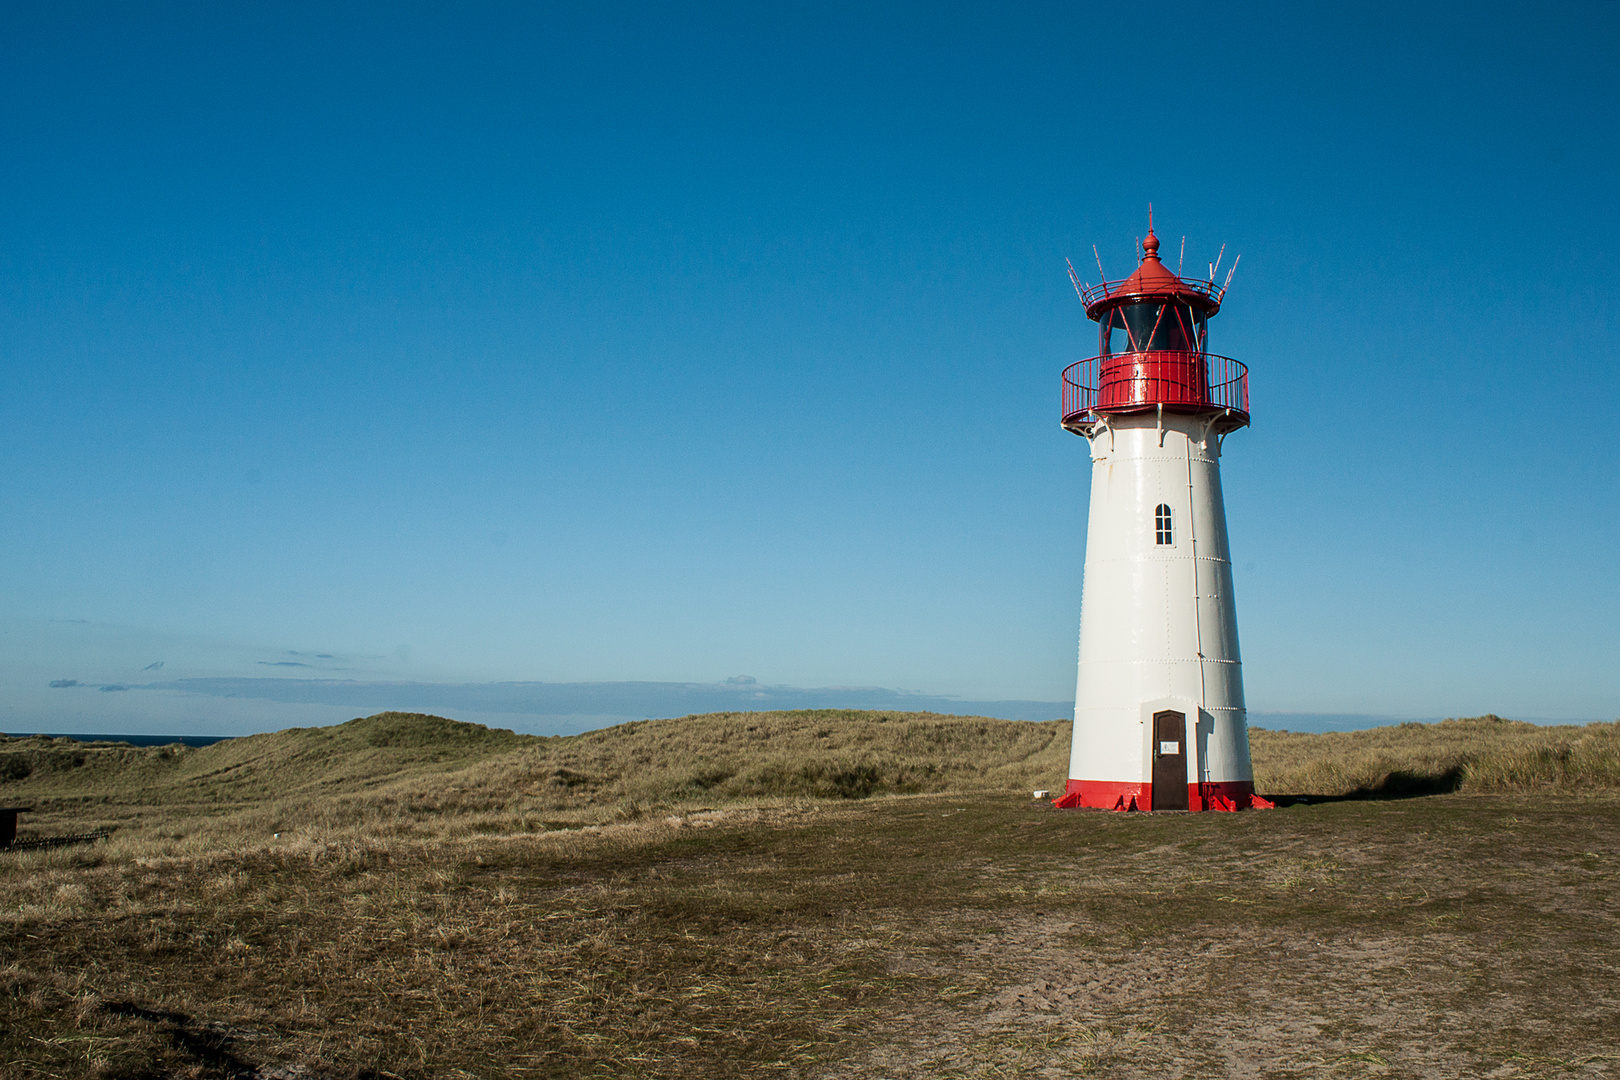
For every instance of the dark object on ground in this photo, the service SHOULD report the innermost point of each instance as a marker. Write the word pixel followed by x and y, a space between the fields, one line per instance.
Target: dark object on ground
pixel 8 823
pixel 36 843
pixel 8 833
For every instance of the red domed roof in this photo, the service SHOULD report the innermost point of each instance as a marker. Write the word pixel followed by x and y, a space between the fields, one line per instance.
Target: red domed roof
pixel 1152 279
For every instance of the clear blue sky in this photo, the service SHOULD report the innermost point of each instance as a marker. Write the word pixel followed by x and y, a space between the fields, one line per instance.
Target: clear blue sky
pixel 486 342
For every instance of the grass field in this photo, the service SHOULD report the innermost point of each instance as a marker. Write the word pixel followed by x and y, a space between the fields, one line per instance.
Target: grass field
pixel 808 894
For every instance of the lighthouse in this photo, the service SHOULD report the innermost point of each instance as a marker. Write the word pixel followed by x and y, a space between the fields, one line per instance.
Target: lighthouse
pixel 1159 717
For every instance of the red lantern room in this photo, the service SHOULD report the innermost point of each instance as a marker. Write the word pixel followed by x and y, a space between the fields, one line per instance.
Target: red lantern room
pixel 1153 352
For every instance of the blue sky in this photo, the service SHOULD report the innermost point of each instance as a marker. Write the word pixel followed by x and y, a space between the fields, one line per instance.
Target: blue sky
pixel 545 343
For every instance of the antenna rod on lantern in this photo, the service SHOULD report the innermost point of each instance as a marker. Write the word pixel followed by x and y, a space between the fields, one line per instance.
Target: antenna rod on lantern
pixel 1217 267
pixel 1183 258
pixel 1229 274
pixel 1100 273
pixel 1076 281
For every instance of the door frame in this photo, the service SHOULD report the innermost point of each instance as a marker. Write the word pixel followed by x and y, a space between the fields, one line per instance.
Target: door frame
pixel 1177 794
pixel 1195 724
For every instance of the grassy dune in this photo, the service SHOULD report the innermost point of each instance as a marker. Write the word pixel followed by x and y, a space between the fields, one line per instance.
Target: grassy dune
pixel 403 774
pixel 1483 754
pixel 408 774
pixel 729 896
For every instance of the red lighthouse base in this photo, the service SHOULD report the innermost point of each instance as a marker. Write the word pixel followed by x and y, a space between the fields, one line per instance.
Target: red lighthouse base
pixel 1226 795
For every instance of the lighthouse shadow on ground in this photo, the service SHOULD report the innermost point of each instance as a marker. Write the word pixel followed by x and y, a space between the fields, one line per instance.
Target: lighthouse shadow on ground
pixel 1398 784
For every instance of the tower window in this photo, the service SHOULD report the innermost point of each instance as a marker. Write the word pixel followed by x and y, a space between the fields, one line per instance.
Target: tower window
pixel 1163 530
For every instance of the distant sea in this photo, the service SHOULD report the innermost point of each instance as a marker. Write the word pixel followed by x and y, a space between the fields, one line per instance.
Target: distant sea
pixel 133 740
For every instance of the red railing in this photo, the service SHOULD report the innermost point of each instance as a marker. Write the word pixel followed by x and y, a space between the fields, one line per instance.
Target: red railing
pixel 1092 295
pixel 1135 382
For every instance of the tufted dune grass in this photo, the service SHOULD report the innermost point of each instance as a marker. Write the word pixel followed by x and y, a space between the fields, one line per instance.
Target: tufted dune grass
pixel 408 774
pixel 820 894
pixel 405 774
pixel 1482 754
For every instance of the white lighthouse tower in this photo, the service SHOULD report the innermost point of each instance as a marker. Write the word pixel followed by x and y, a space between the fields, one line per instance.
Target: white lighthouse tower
pixel 1159 718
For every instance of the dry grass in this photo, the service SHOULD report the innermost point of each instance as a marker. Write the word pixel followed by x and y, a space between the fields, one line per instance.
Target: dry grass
pixel 405 776
pixel 1483 754
pixel 401 956
pixel 716 897
pixel 912 936
pixel 399 775
pixel 821 753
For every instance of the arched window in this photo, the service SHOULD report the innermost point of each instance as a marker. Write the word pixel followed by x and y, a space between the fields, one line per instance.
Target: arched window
pixel 1163 530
